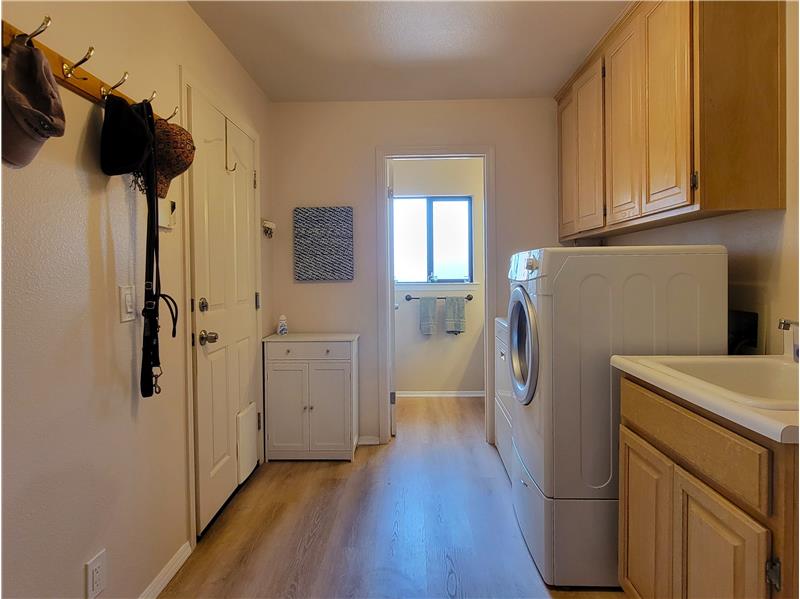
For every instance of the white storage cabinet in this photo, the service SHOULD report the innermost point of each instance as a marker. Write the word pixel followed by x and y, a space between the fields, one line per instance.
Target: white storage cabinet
pixel 503 397
pixel 312 396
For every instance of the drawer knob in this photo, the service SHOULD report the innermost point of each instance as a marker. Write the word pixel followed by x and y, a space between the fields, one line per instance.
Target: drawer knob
pixel 327 351
pixel 288 351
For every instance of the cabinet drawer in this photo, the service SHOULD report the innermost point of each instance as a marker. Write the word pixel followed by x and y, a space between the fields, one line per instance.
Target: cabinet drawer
pixel 736 464
pixel 502 437
pixel 502 377
pixel 308 350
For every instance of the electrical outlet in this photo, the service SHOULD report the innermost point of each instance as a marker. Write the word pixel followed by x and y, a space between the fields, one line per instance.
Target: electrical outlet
pixel 96 575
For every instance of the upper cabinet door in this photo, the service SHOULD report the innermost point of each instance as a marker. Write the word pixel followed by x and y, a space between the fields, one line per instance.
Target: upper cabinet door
pixel 588 93
pixel 625 149
pixel 667 105
pixel 568 167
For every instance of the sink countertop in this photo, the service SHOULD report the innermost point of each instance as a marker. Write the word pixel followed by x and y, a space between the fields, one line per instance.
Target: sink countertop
pixel 778 425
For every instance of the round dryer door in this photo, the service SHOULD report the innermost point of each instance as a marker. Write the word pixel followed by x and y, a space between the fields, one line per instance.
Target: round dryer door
pixel 523 345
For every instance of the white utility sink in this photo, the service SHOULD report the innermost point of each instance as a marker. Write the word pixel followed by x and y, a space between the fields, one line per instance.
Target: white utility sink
pixel 764 382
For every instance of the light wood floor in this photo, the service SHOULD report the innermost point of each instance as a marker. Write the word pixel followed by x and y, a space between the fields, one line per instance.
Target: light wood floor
pixel 428 515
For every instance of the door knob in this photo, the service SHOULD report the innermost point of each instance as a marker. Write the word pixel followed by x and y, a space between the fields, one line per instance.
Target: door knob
pixel 208 337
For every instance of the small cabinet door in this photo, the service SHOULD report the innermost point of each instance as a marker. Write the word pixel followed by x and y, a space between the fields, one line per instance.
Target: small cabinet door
pixel 568 167
pixel 329 406
pixel 645 523
pixel 667 105
pixel 287 406
pixel 719 550
pixel 624 89
pixel 588 93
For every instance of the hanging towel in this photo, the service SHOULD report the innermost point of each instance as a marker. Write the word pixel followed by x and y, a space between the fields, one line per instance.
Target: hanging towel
pixel 454 315
pixel 427 315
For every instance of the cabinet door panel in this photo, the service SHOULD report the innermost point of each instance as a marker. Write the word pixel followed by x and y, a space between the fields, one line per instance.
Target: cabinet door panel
pixel 568 167
pixel 719 550
pixel 668 105
pixel 329 406
pixel 645 528
pixel 588 94
pixel 624 89
pixel 287 406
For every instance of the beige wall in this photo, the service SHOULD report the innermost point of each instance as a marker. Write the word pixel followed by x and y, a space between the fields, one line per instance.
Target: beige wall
pixel 87 463
pixel 762 246
pixel 326 156
pixel 442 362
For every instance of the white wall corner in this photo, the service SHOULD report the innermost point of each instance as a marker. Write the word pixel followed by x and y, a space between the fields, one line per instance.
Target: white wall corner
pixel 171 568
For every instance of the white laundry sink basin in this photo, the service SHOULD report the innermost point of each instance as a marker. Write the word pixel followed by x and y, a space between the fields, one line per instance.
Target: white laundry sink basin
pixel 764 382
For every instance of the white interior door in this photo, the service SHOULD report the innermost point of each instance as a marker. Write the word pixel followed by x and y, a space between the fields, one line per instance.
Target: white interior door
pixel 223 285
pixel 245 341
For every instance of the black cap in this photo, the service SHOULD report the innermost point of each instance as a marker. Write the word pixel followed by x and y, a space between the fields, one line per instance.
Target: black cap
pixel 125 140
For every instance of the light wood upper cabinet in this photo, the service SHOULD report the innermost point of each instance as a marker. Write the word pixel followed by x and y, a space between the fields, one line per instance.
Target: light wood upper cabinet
pixel 645 496
pixel 581 198
pixel 568 167
pixel 690 114
pixel 588 92
pixel 625 147
pixel 719 550
pixel 667 105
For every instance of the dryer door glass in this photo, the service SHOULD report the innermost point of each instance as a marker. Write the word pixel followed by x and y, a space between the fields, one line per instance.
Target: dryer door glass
pixel 523 345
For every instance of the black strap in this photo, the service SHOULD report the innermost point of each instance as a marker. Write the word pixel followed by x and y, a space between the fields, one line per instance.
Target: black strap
pixel 151 361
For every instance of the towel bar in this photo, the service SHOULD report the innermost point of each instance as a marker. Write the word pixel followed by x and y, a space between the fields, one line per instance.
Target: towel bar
pixel 409 297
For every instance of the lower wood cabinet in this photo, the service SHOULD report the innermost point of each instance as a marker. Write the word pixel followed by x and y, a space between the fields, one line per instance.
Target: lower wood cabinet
pixel 688 528
pixel 679 537
pixel 311 396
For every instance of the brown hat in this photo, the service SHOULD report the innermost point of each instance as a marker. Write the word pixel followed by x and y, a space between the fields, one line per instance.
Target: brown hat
pixel 174 153
pixel 32 110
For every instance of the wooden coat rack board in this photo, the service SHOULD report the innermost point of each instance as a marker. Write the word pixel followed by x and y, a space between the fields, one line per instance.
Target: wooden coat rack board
pixel 80 81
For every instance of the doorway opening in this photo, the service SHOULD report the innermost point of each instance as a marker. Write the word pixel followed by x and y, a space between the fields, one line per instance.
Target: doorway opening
pixel 438 277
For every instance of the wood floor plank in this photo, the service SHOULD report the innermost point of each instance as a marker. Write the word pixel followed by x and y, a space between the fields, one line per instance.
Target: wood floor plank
pixel 428 515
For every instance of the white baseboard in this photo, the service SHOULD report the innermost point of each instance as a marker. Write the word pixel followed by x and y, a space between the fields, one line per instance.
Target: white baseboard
pixel 368 440
pixel 167 572
pixel 441 394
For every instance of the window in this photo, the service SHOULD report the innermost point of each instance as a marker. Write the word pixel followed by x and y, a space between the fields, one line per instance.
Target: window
pixel 433 239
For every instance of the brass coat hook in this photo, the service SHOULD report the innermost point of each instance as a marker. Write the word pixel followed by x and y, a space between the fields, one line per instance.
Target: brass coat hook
pixel 105 92
pixel 41 29
pixel 151 98
pixel 174 112
pixel 69 70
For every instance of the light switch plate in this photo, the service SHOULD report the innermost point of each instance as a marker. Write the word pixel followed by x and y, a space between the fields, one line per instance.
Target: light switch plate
pixel 96 575
pixel 127 303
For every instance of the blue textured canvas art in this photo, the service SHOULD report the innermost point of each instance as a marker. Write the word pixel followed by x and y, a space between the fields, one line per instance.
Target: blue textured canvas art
pixel 323 244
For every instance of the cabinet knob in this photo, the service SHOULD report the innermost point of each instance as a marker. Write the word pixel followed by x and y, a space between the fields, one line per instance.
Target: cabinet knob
pixel 288 351
pixel 327 351
pixel 310 407
pixel 305 408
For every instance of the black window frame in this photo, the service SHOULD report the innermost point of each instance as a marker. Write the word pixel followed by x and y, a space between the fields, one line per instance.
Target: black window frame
pixel 430 201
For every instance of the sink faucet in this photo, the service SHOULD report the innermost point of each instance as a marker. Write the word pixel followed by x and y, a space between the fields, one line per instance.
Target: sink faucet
pixel 790 344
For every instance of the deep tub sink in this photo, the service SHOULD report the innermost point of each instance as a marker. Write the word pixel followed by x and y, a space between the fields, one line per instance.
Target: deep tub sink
pixel 764 382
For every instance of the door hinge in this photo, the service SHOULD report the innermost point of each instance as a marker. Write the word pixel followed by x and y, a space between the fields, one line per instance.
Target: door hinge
pixel 773 571
pixel 192 339
pixel 603 71
pixel 258 300
pixel 605 210
pixel 259 421
pixel 695 180
pixel 191 305
pixel 255 180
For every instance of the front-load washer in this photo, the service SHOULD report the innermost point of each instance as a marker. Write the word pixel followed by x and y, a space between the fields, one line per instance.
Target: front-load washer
pixel 570 310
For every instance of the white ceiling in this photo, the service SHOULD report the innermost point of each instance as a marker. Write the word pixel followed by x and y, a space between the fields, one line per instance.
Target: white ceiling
pixel 315 51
